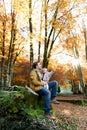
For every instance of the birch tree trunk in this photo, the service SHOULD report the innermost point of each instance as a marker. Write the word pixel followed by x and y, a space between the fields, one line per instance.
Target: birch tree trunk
pixel 11 51
pixel 76 54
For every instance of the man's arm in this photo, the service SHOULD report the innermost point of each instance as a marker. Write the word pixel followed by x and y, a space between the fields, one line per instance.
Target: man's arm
pixel 33 78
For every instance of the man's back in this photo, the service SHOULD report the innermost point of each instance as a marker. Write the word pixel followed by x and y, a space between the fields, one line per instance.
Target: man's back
pixel 35 82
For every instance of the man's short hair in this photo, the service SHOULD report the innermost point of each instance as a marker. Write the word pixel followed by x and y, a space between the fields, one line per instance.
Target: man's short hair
pixel 35 64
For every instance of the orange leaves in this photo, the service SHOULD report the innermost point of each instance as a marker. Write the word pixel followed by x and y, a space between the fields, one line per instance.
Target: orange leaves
pixel 63 4
pixel 21 71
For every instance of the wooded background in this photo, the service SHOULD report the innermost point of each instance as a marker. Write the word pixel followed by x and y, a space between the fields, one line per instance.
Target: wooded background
pixel 52 32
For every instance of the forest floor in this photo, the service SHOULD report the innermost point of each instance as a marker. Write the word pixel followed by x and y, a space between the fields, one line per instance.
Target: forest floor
pixel 71 111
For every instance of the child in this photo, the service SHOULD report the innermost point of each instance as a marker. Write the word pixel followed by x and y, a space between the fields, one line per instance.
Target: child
pixel 46 75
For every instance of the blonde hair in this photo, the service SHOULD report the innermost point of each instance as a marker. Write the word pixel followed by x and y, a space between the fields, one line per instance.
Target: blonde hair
pixel 44 69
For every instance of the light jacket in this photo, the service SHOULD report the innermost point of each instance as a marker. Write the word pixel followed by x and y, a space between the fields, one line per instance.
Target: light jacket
pixel 35 81
pixel 47 75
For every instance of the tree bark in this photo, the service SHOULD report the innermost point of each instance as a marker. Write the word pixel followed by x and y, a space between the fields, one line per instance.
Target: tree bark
pixel 31 31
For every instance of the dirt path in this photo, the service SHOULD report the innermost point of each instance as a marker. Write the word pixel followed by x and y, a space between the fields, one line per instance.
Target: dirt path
pixel 71 113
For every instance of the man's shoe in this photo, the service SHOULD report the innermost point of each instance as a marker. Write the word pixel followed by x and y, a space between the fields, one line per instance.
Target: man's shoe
pixel 49 116
pixel 55 101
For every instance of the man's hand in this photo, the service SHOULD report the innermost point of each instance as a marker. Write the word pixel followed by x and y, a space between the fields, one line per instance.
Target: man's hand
pixel 44 82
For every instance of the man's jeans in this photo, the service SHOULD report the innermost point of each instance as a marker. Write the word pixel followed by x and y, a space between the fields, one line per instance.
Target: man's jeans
pixel 48 95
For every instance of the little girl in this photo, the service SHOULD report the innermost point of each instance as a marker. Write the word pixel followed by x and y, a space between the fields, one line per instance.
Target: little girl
pixel 46 75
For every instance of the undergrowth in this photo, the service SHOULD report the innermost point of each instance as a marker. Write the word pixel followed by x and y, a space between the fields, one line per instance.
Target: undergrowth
pixel 17 114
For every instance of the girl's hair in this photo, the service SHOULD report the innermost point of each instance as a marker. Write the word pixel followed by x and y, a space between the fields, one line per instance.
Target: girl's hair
pixel 44 69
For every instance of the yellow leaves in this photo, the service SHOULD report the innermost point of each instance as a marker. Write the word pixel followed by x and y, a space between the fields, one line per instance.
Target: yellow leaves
pixel 66 86
pixel 22 10
pixel 52 65
pixel 52 20
pixel 20 6
pixel 66 3
pixel 70 18
pixel 63 4
pixel 45 8
pixel 72 41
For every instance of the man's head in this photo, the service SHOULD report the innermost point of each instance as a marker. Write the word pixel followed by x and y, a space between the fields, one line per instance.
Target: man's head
pixel 37 65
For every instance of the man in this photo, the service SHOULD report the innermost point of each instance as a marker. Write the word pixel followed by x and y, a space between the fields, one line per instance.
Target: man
pixel 38 86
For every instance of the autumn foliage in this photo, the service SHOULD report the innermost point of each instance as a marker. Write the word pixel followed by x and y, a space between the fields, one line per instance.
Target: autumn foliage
pixel 54 37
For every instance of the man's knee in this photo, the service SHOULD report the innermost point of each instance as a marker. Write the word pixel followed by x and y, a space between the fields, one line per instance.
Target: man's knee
pixel 56 83
pixel 48 94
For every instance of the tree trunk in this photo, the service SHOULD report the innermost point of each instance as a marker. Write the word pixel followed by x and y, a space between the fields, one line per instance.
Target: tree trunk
pixel 11 51
pixel 48 37
pixel 3 55
pixel 45 42
pixel 85 38
pixel 31 31
pixel 81 80
pixel 76 54
pixel 39 46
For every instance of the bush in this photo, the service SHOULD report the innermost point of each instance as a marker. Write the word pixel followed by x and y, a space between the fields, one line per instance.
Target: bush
pixel 15 113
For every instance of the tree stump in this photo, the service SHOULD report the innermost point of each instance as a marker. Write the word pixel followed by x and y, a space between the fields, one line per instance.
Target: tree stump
pixel 33 99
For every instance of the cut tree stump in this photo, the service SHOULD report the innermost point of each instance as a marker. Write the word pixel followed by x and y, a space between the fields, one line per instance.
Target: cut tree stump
pixel 33 99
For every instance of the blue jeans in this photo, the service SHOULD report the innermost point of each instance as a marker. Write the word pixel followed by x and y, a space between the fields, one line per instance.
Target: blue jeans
pixel 48 95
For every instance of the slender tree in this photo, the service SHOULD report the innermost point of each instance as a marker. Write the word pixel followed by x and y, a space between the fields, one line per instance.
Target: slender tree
pixel 40 34
pixel 85 38
pixel 11 51
pixel 3 47
pixel 10 46
pixel 53 27
pixel 31 31
pixel 79 69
